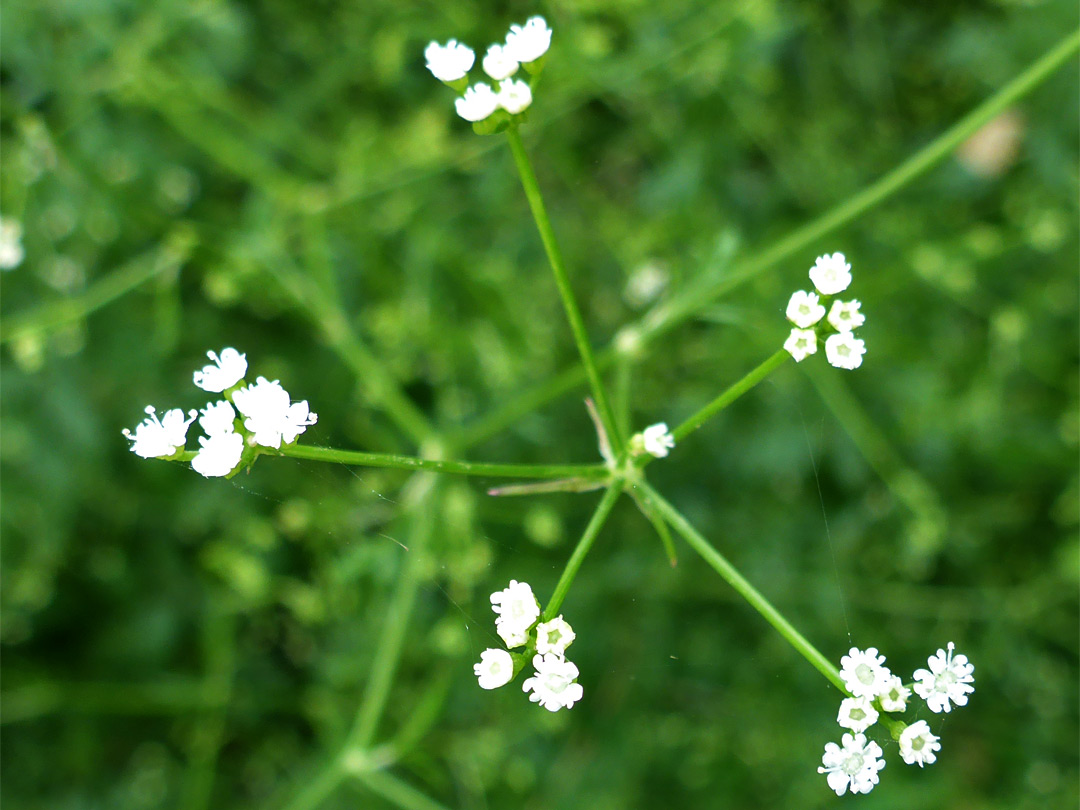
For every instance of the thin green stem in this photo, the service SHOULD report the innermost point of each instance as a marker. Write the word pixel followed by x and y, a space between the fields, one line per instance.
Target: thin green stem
pixel 582 549
pixel 562 281
pixel 719 563
pixel 358 458
pixel 396 791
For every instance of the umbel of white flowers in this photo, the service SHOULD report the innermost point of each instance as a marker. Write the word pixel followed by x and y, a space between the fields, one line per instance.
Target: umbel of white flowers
pixel 554 683
pixel 854 763
pixel 271 419
pixel 831 274
pixel 525 46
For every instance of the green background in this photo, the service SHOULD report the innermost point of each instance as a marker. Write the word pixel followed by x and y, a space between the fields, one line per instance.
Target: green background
pixel 280 174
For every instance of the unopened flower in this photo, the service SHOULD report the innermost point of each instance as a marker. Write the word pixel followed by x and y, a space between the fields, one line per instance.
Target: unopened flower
pixel 219 455
pixel 844 350
pixel 831 274
pixel 478 102
pixel 217 417
pixel 225 372
pixel 894 698
pixel 948 679
pixel 864 673
pixel 854 766
pixel 656 440
pixel 845 316
pixel 857 714
pixel 11 249
pixel 449 62
pixel 918 745
pixel 518 610
pixel 271 416
pixel 805 309
pixel 498 63
pixel 529 42
pixel 154 438
pixel 514 96
pixel 801 343
pixel 554 636
pixel 553 684
pixel 495 669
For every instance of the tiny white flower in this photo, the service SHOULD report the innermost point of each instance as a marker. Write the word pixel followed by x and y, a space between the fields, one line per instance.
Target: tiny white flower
pixel 805 309
pixel 155 438
pixel 11 249
pixel 948 679
pixel 449 62
pixel 217 417
pixel 514 96
pixel 271 416
pixel 495 669
pixel 553 684
pixel 894 698
pixel 499 64
pixel 478 102
pixel 845 316
pixel 801 343
pixel 219 455
pixel 852 767
pixel 856 714
pixel 831 274
pixel 225 372
pixel 844 350
pixel 518 610
pixel 864 673
pixel 529 43
pixel 554 636
pixel 656 440
pixel 917 744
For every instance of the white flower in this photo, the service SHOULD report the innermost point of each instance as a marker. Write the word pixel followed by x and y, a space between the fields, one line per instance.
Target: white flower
pixel 801 343
pixel 157 439
pixel 217 417
pixel 219 455
pixel 804 309
pixel 656 440
pixel 863 672
pixel 948 679
pixel 495 669
pixel 11 249
pixel 894 698
pixel 552 684
pixel 844 350
pixel 831 274
pixel 529 43
pixel 917 744
pixel 854 767
pixel 449 62
pixel 514 96
pixel 499 64
pixel 845 316
pixel 271 417
pixel 226 371
pixel 554 636
pixel 518 610
pixel 478 102
pixel 857 714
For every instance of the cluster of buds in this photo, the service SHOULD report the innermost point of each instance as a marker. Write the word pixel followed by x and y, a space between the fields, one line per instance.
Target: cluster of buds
pixel 489 109
pixel 656 440
pixel 270 419
pixel 807 311
pixel 875 691
pixel 554 683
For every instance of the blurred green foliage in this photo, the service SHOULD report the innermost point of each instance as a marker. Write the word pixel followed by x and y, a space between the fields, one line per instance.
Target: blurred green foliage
pixel 271 175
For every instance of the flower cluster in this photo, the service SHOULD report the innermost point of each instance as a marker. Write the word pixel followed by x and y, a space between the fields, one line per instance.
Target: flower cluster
pixel 525 46
pixel 831 274
pixel 656 440
pixel 554 683
pixel 854 763
pixel 270 419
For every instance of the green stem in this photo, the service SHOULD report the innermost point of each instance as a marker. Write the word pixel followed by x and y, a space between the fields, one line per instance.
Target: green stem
pixel 396 791
pixel 582 548
pixel 562 281
pixel 718 563
pixel 358 458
